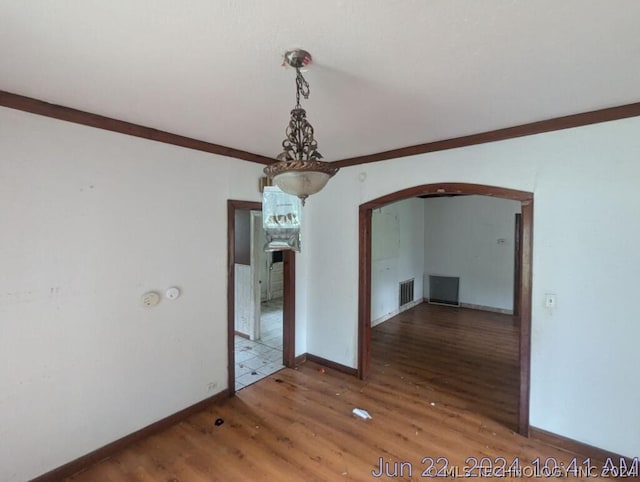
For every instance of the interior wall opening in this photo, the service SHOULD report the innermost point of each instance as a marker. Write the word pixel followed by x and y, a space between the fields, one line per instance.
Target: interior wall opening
pixel 487 332
pixel 442 297
pixel 261 300
pixel 259 291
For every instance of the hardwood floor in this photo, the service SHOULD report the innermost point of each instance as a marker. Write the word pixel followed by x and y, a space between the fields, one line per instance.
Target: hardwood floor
pixel 469 356
pixel 441 388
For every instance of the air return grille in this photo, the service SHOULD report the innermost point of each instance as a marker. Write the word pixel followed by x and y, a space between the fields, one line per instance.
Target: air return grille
pixel 406 292
pixel 444 290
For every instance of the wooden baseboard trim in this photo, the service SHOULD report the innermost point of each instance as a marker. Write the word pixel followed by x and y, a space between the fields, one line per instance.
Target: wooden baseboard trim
pixel 242 335
pixel 580 448
pixel 300 359
pixel 331 364
pixel 108 450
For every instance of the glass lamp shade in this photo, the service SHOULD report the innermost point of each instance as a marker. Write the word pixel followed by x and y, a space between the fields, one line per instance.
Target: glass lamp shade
pixel 301 183
pixel 300 178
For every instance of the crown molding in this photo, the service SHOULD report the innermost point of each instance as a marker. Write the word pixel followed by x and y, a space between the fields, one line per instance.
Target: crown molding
pixel 539 127
pixel 35 106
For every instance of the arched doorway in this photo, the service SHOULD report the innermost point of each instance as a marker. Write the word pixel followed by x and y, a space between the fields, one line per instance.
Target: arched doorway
pixel 523 284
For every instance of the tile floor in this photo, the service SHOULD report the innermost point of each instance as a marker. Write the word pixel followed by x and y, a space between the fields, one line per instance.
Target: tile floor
pixel 256 359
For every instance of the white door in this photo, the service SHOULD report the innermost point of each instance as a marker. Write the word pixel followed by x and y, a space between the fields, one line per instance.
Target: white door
pixel 257 266
pixel 264 266
pixel 276 279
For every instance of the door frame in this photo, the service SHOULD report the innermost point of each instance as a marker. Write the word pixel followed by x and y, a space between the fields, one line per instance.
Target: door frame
pixel 517 263
pixel 525 275
pixel 288 298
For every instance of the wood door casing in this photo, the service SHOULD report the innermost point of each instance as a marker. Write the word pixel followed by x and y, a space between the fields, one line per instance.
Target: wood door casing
pixel 525 275
pixel 289 295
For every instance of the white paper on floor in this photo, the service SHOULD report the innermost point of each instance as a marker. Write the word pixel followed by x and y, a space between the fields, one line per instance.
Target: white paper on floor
pixel 362 413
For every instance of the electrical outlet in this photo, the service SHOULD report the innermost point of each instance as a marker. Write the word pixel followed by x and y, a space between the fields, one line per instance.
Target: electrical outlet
pixel 550 300
pixel 150 299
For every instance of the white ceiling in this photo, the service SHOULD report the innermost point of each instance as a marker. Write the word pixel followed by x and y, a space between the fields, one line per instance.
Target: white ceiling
pixel 386 73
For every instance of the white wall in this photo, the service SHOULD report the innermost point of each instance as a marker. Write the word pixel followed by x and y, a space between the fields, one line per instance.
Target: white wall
pixel 585 182
pixel 461 239
pixel 90 221
pixel 397 254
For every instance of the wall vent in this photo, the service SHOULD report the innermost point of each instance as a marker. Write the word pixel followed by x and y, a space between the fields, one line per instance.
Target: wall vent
pixel 406 292
pixel 444 290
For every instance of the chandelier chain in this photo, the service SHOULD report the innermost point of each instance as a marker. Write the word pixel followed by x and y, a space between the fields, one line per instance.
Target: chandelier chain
pixel 302 87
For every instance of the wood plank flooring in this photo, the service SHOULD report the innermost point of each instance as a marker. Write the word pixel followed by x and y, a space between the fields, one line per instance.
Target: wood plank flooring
pixel 442 387
pixel 469 355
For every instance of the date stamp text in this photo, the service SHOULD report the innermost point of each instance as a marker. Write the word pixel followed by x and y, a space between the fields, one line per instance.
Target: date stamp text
pixel 500 467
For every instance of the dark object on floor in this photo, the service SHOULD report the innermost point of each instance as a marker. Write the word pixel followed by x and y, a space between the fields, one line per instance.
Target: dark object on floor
pixel 278 380
pixel 218 422
pixel 254 373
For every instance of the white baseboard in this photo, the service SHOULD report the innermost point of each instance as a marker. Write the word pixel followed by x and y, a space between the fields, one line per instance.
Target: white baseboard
pixel 406 307
pixel 486 308
pixel 414 303
pixel 471 306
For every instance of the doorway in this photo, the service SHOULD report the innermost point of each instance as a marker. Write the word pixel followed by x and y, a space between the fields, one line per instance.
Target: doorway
pixel 260 300
pixel 524 276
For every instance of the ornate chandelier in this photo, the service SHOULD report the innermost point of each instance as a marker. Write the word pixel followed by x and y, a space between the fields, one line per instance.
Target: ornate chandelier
pixel 299 170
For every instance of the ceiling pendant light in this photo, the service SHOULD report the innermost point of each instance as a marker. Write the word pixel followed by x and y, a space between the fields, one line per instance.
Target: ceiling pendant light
pixel 299 170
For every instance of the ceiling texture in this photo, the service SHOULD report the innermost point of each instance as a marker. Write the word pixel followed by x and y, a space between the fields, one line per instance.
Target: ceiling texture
pixel 386 73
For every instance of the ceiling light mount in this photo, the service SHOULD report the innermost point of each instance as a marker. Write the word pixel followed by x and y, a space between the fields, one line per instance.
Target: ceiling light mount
pixel 297 58
pixel 299 170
